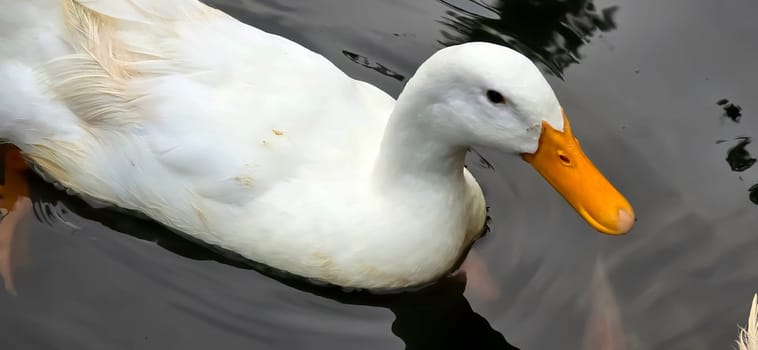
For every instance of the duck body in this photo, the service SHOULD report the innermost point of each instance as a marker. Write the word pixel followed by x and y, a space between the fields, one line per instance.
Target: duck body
pixel 233 136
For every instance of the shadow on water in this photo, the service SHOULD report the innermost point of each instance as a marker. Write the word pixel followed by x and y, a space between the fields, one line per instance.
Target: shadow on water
pixel 433 317
pixel 548 32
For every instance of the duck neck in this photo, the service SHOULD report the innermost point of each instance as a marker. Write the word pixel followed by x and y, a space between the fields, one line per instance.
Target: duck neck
pixel 412 154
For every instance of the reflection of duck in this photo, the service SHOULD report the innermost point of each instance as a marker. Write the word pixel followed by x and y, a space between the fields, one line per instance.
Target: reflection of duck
pixel 748 339
pixel 251 142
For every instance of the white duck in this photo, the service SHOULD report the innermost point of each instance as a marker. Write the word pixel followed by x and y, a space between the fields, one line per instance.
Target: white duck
pixel 249 141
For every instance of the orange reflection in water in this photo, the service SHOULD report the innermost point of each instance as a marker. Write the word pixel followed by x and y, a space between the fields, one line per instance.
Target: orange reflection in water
pixel 604 328
pixel 15 205
pixel 479 281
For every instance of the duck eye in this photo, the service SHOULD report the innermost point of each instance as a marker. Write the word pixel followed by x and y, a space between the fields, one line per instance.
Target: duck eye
pixel 495 97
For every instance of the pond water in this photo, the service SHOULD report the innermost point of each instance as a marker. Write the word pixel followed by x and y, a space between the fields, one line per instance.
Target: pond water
pixel 660 93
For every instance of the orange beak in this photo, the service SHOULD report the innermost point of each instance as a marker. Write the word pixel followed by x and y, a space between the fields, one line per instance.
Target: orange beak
pixel 560 160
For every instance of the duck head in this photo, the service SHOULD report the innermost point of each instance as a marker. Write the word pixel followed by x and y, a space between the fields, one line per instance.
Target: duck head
pixel 482 94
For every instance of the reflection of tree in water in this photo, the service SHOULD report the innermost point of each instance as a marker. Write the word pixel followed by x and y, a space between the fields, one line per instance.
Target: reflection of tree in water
pixel 740 160
pixel 547 31
pixel 731 110
pixel 738 156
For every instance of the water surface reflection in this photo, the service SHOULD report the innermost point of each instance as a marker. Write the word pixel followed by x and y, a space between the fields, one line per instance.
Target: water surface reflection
pixel 548 32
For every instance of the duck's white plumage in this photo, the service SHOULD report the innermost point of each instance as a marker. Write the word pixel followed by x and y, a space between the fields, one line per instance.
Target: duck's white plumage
pixel 249 141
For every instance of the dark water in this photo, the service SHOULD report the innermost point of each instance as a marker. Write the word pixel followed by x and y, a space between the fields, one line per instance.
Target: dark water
pixel 662 95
